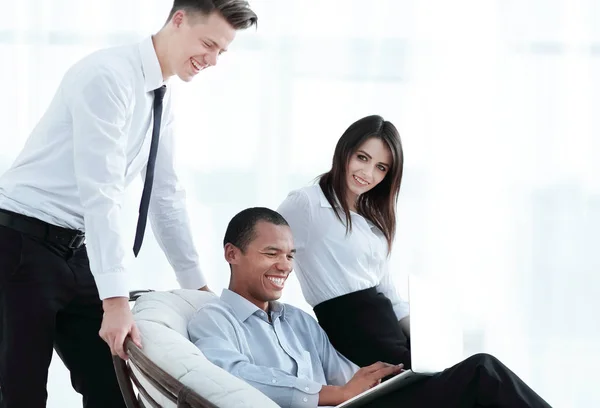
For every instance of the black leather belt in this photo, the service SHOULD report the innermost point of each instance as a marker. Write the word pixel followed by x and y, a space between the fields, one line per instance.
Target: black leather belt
pixel 72 239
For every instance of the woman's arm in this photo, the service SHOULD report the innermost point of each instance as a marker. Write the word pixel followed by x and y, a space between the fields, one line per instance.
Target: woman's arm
pixel 401 307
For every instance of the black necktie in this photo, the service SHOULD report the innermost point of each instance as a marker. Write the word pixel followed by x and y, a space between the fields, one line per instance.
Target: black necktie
pixel 159 93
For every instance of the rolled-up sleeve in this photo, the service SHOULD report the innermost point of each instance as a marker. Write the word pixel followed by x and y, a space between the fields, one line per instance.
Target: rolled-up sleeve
pixel 214 333
pixel 99 104
pixel 168 211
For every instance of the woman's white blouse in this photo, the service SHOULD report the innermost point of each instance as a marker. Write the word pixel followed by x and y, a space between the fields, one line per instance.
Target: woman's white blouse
pixel 330 263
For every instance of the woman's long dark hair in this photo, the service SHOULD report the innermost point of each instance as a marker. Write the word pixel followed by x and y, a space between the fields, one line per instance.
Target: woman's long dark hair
pixel 378 205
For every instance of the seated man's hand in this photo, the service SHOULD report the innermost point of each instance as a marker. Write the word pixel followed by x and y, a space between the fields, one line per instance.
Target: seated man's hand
pixel 206 289
pixel 368 377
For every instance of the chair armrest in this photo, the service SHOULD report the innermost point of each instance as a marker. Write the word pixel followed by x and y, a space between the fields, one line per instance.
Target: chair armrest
pixel 135 294
pixel 170 387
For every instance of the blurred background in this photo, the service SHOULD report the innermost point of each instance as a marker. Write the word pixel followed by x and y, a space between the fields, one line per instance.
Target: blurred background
pixel 496 101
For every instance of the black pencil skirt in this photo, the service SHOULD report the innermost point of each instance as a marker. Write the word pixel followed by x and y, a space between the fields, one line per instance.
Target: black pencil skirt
pixel 363 327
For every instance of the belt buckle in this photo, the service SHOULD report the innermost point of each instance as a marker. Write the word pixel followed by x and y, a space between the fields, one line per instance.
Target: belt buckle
pixel 77 241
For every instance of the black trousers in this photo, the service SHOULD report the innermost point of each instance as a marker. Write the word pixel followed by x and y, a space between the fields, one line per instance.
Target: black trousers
pixel 364 328
pixel 479 381
pixel 48 299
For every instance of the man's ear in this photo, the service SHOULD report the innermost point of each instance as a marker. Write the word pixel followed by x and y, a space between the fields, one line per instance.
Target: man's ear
pixel 177 18
pixel 232 253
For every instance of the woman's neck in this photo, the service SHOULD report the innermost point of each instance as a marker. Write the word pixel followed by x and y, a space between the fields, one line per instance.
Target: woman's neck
pixel 351 200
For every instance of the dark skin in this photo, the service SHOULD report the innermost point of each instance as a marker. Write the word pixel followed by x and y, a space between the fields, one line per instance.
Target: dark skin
pixel 259 272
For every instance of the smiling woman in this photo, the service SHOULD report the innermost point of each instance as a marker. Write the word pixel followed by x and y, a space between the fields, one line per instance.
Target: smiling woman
pixel 343 229
pixel 367 168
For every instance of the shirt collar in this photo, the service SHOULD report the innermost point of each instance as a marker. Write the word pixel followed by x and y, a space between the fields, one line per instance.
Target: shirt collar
pixel 325 204
pixel 243 308
pixel 323 200
pixel 150 66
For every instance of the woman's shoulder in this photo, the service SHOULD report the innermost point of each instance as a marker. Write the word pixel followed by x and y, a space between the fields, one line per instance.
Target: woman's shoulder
pixel 308 195
pixel 313 191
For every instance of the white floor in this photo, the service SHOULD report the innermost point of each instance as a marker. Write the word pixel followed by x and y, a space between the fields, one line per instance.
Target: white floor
pixel 562 372
pixel 60 392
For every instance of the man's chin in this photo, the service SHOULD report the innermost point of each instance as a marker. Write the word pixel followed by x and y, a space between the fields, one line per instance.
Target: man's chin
pixel 274 296
pixel 186 77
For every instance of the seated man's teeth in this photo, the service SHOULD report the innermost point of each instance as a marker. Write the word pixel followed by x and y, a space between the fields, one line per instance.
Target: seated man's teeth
pixel 277 281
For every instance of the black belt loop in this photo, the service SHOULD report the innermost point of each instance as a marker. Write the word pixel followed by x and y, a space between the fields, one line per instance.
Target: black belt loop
pixel 69 238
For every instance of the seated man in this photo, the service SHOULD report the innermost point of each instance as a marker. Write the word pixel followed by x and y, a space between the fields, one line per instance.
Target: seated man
pixel 283 352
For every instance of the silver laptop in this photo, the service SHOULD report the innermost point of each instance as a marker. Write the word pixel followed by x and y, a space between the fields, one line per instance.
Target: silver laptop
pixel 435 336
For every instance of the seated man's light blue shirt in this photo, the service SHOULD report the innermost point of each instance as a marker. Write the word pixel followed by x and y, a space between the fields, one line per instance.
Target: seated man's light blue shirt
pixel 289 359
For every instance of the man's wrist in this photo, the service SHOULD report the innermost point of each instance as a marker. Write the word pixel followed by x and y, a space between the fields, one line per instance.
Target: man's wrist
pixel 114 303
pixel 332 395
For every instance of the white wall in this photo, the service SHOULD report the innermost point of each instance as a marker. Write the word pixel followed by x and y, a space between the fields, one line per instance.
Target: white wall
pixel 495 102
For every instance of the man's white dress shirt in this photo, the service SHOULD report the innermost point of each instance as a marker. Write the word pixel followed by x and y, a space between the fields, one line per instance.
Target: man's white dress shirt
pixel 330 263
pixel 88 147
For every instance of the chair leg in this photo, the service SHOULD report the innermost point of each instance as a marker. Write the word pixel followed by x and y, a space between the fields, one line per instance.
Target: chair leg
pixel 125 383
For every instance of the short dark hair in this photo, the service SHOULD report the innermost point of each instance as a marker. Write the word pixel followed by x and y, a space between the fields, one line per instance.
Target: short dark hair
pixel 379 204
pixel 240 231
pixel 236 12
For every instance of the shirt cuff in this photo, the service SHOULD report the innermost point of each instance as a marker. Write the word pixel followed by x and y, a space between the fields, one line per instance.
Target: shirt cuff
pixel 306 393
pixel 112 284
pixel 191 278
pixel 402 310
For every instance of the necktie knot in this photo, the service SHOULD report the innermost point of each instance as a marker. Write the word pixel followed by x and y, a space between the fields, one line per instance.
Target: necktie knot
pixel 159 93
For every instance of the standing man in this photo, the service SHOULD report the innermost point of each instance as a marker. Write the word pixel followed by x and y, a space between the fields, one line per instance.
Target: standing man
pixel 61 202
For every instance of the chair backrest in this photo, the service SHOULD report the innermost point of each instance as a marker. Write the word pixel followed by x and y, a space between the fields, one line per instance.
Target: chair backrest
pixel 170 371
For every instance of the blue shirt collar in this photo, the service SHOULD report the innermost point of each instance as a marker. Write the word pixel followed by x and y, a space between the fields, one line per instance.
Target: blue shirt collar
pixel 243 308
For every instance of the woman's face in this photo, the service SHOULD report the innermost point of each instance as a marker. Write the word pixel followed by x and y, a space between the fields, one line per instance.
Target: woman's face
pixel 367 166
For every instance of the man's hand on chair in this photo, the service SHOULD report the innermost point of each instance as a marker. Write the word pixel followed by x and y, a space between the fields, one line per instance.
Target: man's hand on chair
pixel 117 323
